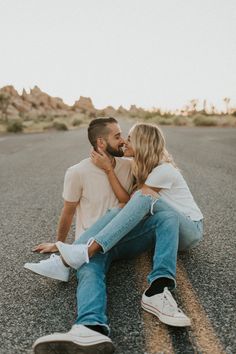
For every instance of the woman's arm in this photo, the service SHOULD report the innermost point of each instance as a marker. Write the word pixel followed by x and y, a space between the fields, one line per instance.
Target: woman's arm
pixel 102 161
pixel 147 190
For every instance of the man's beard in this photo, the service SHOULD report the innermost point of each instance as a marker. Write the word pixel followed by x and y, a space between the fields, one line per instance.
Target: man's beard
pixel 114 152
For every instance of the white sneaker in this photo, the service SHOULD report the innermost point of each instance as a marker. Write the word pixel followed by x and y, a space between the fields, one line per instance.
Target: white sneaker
pixel 165 308
pixel 79 339
pixel 52 267
pixel 74 255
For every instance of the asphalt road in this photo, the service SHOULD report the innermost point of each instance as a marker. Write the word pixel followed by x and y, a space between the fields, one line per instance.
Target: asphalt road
pixel 31 176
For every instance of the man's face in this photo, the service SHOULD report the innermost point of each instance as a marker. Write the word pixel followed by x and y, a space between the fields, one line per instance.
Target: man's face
pixel 114 142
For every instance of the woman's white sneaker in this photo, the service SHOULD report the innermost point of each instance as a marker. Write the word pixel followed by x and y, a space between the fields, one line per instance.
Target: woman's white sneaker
pixel 166 309
pixel 79 339
pixel 52 267
pixel 74 255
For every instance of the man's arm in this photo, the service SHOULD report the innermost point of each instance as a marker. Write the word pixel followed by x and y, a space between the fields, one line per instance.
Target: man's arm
pixel 64 225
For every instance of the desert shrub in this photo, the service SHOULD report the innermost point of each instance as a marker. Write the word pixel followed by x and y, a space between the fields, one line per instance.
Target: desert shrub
pixel 15 127
pixel 234 114
pixel 47 118
pixel 59 126
pixel 227 121
pixel 166 121
pixel 77 122
pixel 150 115
pixel 167 115
pixel 180 120
pixel 132 114
pixel 206 121
pixel 154 119
pixel 41 117
pixel 92 115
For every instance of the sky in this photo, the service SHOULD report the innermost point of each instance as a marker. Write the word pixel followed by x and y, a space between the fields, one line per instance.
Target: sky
pixel 151 53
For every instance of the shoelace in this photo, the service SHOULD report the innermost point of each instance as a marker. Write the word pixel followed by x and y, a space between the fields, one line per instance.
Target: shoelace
pixel 170 300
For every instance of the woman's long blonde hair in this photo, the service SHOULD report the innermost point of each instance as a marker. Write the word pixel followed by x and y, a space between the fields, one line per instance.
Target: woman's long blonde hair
pixel 149 150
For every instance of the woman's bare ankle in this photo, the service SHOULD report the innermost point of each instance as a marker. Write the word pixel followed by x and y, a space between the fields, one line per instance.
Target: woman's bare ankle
pixel 64 262
pixel 93 249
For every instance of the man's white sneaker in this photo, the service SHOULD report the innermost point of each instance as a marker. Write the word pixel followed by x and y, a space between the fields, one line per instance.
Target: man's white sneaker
pixel 165 308
pixel 74 255
pixel 79 339
pixel 52 267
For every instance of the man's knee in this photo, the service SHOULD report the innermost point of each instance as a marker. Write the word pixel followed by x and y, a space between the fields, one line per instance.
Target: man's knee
pixel 169 217
pixel 91 271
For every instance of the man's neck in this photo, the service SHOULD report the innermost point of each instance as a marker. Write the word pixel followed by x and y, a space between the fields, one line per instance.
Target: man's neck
pixel 112 159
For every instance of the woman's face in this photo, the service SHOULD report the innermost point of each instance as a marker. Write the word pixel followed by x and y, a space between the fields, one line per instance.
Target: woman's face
pixel 128 148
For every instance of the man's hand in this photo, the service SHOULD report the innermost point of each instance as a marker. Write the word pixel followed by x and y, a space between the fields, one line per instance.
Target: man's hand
pixel 101 160
pixel 46 248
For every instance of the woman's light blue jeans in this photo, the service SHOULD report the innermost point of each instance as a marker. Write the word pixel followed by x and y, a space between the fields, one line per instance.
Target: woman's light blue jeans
pixel 108 231
pixel 166 231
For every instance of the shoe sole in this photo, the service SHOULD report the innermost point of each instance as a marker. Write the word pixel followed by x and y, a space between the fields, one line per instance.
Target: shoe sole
pixel 65 347
pixel 168 320
pixel 44 275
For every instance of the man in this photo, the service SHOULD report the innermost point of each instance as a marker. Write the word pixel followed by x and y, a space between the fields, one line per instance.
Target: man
pixel 89 192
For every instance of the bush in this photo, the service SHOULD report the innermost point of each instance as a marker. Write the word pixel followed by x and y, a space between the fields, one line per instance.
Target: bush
pixel 77 122
pixel 150 115
pixel 59 126
pixel 165 121
pixel 15 127
pixel 205 121
pixel 180 120
pixel 155 119
pixel 227 121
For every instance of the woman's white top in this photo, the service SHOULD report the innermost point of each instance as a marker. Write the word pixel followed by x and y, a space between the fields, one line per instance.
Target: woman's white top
pixel 174 189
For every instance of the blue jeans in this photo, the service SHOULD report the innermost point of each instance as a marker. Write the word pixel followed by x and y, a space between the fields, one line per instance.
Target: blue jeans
pixel 109 230
pixel 164 231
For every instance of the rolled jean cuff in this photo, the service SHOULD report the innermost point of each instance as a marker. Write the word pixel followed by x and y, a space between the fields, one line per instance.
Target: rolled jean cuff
pixel 103 247
pixel 150 281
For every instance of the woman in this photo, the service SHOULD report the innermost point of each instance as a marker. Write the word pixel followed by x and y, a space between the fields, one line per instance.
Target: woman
pixel 158 185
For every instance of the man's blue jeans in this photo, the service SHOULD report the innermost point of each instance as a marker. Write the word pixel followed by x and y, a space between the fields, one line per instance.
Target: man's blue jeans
pixel 165 231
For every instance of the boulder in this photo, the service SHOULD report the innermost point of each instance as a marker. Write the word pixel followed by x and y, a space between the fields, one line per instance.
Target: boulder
pixel 84 104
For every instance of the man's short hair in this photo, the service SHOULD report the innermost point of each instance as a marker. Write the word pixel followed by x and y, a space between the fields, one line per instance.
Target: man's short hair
pixel 99 128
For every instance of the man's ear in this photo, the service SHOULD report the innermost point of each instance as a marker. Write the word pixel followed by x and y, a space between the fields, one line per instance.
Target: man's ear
pixel 101 144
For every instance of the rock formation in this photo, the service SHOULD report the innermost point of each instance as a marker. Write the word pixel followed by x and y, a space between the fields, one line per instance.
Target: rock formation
pixel 37 103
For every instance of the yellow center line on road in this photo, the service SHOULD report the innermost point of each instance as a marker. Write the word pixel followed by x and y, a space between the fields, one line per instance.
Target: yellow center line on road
pixel 203 333
pixel 157 338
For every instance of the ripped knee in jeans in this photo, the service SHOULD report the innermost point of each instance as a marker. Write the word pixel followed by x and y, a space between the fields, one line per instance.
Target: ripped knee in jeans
pixel 151 193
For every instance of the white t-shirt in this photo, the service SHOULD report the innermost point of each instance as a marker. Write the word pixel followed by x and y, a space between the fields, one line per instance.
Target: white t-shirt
pixel 174 189
pixel 89 185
